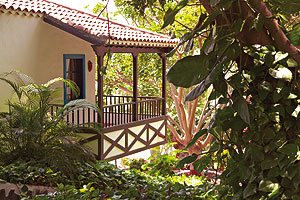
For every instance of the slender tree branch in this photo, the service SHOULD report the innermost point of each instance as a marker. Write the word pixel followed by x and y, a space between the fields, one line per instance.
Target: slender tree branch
pixel 176 124
pixel 173 92
pixel 272 26
pixel 175 134
pixel 182 111
pixel 193 114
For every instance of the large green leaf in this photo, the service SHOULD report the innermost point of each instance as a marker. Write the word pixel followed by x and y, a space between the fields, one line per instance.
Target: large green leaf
pixel 291 63
pixel 268 164
pixel 197 91
pixel 186 160
pixel 220 86
pixel 280 56
pixel 202 163
pixel 241 106
pixel 289 149
pixel 196 137
pixel 294 35
pixel 190 70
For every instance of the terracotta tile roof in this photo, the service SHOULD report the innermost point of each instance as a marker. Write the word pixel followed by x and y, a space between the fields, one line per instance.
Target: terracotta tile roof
pixel 120 34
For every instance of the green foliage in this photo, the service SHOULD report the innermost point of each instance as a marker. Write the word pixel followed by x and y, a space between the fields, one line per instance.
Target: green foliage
pixel 32 173
pixel 104 181
pixel 134 163
pixel 257 133
pixel 29 132
pixel 162 162
pixel 119 75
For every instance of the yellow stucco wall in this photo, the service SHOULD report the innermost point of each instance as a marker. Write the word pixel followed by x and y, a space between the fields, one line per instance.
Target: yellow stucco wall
pixel 36 48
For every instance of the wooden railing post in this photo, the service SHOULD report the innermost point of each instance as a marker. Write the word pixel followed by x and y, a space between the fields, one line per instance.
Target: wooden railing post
pixel 134 87
pixel 100 103
pixel 100 89
pixel 163 89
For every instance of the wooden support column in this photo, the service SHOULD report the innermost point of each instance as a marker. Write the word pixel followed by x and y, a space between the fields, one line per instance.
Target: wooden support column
pixel 135 87
pixel 100 104
pixel 163 89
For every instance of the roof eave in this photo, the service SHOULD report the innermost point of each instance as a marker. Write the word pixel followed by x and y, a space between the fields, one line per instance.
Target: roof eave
pixel 96 40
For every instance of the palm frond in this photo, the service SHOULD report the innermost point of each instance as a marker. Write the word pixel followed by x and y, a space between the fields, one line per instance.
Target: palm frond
pixel 73 86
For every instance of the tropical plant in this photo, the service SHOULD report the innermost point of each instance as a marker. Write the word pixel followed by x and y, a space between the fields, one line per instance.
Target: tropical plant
pixel 108 182
pixel 250 46
pixel 163 161
pixel 30 132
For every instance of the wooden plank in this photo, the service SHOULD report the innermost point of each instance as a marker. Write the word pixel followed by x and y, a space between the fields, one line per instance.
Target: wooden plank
pixel 122 49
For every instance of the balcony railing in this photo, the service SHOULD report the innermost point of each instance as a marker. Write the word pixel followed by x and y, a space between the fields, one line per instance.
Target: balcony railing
pixel 117 110
pixel 82 116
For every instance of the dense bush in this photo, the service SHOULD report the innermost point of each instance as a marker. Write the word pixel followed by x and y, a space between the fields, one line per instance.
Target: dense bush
pixel 103 180
pixel 29 131
pixel 163 161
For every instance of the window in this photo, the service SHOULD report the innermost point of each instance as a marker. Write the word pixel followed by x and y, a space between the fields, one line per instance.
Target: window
pixel 74 69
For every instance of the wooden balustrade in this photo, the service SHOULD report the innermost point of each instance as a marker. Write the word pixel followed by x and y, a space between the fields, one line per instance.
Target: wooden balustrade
pixel 111 100
pixel 82 116
pixel 117 110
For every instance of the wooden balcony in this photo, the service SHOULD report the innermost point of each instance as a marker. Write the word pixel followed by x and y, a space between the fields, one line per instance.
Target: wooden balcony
pixel 129 127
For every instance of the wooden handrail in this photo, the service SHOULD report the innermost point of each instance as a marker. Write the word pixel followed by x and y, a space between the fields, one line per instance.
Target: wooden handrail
pixel 142 101
pixel 116 114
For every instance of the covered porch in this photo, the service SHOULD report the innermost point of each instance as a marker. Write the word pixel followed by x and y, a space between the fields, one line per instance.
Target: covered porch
pixel 129 123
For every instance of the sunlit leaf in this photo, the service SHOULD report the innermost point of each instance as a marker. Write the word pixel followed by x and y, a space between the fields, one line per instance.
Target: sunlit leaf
pixel 280 56
pixel 281 73
pixel 267 186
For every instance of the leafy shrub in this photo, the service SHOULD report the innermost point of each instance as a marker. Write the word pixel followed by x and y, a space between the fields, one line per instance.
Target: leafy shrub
pixel 102 180
pixel 162 162
pixel 69 192
pixel 132 184
pixel 31 173
pixel 29 132
pixel 134 163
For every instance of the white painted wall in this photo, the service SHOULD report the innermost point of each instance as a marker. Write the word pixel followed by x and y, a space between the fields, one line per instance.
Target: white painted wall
pixel 36 48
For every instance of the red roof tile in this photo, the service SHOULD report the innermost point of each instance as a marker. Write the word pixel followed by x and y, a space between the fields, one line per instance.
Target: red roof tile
pixel 97 26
